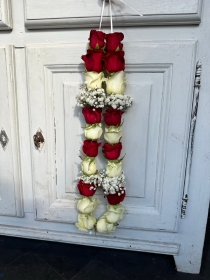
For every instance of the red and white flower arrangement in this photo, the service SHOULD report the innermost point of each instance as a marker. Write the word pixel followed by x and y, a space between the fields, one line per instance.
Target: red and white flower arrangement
pixel 103 89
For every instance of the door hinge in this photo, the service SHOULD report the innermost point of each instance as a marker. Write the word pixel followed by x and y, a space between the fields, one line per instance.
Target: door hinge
pixel 197 85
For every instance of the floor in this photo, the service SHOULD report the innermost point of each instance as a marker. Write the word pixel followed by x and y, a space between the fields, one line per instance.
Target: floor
pixel 25 259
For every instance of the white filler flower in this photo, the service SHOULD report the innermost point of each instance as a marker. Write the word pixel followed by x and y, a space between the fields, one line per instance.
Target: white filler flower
pixel 91 97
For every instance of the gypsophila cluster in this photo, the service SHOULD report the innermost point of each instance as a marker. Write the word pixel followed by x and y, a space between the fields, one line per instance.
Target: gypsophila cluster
pixel 91 97
pixel 95 179
pixel 112 185
pixel 118 101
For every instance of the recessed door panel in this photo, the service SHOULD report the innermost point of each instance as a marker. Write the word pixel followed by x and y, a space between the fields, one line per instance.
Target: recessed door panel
pixel 155 131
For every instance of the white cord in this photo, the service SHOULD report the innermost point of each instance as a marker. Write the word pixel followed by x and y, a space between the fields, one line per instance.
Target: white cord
pixel 131 8
pixel 102 13
pixel 110 8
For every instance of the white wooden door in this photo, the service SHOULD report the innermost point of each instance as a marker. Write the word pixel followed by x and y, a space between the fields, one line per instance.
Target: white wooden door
pixel 10 165
pixel 160 79
pixel 40 73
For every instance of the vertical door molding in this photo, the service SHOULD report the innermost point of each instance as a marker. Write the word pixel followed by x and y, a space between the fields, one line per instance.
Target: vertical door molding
pixel 5 15
pixel 197 85
pixel 11 202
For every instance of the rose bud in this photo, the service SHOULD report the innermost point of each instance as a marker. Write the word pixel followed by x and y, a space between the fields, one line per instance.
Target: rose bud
pixel 93 60
pixel 92 115
pixel 116 198
pixel 116 83
pixel 87 205
pixel 115 213
pixel 93 131
pixel 85 222
pixel 90 148
pixel 97 39
pixel 112 117
pixel 112 152
pixel 103 226
pixel 88 166
pixel 113 134
pixel 94 80
pixel 86 189
pixel 114 168
pixel 113 41
pixel 114 61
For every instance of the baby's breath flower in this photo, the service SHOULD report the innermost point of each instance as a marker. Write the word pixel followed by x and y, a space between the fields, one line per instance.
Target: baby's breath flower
pixel 112 185
pixel 118 101
pixel 92 179
pixel 91 97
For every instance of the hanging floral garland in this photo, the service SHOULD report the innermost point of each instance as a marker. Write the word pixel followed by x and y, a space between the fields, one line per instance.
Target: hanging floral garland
pixel 103 89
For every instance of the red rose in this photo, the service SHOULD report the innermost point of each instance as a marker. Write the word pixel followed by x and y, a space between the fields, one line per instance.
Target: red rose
pixel 112 152
pixel 93 60
pixel 113 41
pixel 112 117
pixel 97 39
pixel 90 148
pixel 114 61
pixel 85 190
pixel 92 115
pixel 114 199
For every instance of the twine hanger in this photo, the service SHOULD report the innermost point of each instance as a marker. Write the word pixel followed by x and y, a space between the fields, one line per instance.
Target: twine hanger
pixel 110 8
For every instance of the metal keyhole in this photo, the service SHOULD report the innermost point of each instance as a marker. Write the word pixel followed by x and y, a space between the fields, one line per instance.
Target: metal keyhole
pixel 38 139
pixel 3 139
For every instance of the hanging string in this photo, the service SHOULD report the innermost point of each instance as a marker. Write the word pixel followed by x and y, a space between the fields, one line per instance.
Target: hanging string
pixel 110 8
pixel 102 13
pixel 131 8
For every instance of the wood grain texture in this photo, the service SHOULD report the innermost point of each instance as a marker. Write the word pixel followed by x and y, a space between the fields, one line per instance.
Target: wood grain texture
pixel 5 15
pixel 70 14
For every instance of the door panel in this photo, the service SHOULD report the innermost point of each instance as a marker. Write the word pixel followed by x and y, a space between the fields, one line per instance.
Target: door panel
pixel 160 79
pixel 5 15
pixel 71 14
pixel 10 173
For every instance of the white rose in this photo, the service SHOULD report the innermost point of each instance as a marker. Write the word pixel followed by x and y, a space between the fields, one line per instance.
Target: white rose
pixel 114 168
pixel 87 205
pixel 89 166
pixel 94 79
pixel 113 134
pixel 85 222
pixel 116 83
pixel 115 213
pixel 103 226
pixel 93 131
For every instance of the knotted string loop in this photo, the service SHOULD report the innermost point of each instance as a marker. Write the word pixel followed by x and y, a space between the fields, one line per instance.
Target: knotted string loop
pixel 110 9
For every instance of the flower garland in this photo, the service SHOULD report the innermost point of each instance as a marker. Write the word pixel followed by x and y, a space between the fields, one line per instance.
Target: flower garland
pixel 104 88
